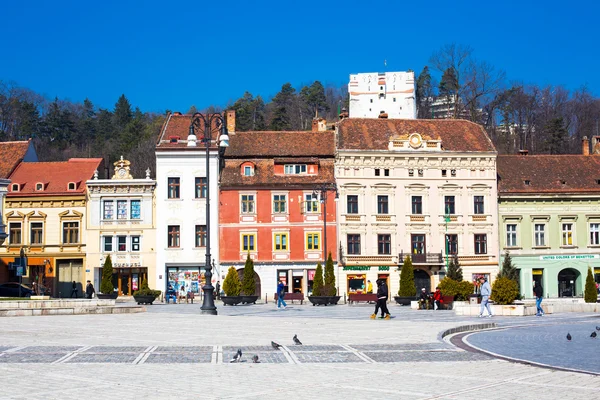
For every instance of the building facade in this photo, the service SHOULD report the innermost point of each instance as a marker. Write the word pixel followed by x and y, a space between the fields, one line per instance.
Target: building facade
pixel 549 209
pixel 45 211
pixel 391 93
pixel 272 207
pixel 182 182
pixel 420 188
pixel 121 223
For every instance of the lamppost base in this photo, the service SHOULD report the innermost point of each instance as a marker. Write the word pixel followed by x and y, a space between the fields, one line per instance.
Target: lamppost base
pixel 208 311
pixel 208 304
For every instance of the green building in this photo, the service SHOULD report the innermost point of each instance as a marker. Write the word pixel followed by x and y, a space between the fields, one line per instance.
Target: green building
pixel 549 217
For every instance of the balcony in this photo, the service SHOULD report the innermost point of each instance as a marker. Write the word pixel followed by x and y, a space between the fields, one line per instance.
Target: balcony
pixel 424 258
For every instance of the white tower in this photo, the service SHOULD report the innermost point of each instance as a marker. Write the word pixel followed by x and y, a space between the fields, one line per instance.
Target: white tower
pixel 392 93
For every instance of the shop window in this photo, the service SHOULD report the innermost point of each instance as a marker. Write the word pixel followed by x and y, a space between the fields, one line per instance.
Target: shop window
pixel 14 233
pixel 313 241
pixel 70 232
pixel 37 233
pixel 357 283
pixel 200 192
pixel 173 236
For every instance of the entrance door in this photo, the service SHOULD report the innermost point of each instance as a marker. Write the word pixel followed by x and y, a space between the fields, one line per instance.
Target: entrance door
pixel 422 280
pixel 297 286
pixel 124 284
pixel 69 271
pixel 567 279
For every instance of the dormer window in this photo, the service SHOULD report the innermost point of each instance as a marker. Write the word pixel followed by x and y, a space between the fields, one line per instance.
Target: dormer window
pixel 173 139
pixel 248 170
pixel 527 182
pixel 39 187
pixel 295 169
pixel 15 187
pixel 71 186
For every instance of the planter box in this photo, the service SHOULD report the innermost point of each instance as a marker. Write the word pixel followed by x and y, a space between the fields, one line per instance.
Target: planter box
pixel 404 301
pixel 231 300
pixel 249 299
pixel 144 299
pixel 319 300
pixel 112 296
pixel 334 299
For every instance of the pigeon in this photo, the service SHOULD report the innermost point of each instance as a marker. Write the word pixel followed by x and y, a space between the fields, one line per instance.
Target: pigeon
pixel 276 346
pixel 296 340
pixel 237 357
pixel 569 337
pixel 597 328
pixel 593 335
pixel 255 359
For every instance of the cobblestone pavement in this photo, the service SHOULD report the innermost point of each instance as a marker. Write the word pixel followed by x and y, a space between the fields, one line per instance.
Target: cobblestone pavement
pixel 175 352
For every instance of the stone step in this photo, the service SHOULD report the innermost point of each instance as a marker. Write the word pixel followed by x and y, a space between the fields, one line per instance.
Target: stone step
pixel 19 312
pixel 58 303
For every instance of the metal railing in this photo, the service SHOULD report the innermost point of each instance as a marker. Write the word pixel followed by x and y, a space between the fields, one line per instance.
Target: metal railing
pixel 423 258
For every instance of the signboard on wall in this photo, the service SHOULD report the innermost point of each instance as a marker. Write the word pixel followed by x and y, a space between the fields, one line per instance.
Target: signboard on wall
pixel 570 257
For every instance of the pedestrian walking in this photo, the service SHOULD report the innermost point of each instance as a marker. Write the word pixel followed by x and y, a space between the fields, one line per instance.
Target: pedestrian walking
pixel 539 295
pixel 74 291
pixel 280 295
pixel 218 290
pixel 382 295
pixel 89 290
pixel 486 292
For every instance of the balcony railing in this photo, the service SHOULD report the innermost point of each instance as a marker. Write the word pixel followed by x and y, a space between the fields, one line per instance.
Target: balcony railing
pixel 424 258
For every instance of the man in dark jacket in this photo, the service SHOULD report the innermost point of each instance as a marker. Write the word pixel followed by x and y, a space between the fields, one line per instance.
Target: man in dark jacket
pixel 382 295
pixel 89 290
pixel 539 295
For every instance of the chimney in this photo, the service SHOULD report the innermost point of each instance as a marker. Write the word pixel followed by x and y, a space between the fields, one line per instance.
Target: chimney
pixel 383 114
pixel 319 125
pixel 523 152
pixel 230 117
pixel 343 114
pixel 585 146
pixel 315 125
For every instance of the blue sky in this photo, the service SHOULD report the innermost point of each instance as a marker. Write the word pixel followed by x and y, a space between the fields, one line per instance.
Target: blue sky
pixel 170 55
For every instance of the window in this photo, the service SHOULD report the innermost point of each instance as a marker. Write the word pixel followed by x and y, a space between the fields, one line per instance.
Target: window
pixel 453 172
pixel 480 244
pixel 122 209
pixel 121 243
pixel 248 171
pixel 540 237
pixel 279 203
pixel 594 234
pixel 15 187
pixel 352 204
pixel 14 233
pixel 386 172
pixel 417 244
pixel 420 172
pixel 452 243
pixel 200 192
pixel 70 232
pixel 281 242
pixel 200 235
pixel 511 235
pixel 294 169
pixel 173 188
pixel 249 242
pixel 39 186
pixel 567 234
pixel 449 207
pixel 443 172
pixel 135 243
pixel 312 241
pixel 384 244
pixel 377 172
pixel 312 204
pixel 173 236
pixel 478 205
pixel 382 205
pixel 71 186
pixel 37 233
pixel 353 244
pixel 136 209
pixel 109 208
pixel 411 172
pixel 247 204
pixel 107 244
pixel 417 205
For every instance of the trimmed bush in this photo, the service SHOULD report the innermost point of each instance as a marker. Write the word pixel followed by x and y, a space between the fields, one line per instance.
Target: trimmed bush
pixel 106 286
pixel 407 279
pixel 232 285
pixel 460 291
pixel 505 290
pixel 329 287
pixel 454 270
pixel 318 281
pixel 508 269
pixel 591 293
pixel 145 290
pixel 248 283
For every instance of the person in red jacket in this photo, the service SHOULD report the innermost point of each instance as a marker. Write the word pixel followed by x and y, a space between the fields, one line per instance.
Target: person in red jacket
pixel 437 298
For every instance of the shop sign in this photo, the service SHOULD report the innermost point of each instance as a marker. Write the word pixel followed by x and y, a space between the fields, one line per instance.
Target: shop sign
pixel 537 272
pixel 384 268
pixel 597 270
pixel 570 257
pixel 364 268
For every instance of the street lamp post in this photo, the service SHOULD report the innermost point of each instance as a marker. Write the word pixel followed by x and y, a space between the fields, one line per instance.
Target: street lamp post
pixel 322 192
pixel 210 124
pixel 447 219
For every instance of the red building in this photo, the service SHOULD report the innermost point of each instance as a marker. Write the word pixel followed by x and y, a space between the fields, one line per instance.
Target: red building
pixel 267 208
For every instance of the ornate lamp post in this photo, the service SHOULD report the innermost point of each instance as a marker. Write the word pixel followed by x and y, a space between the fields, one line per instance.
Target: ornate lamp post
pixel 321 192
pixel 209 124
pixel 447 219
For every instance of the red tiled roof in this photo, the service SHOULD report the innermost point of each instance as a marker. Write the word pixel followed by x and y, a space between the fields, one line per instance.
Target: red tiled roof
pixel 269 144
pixel 548 174
pixel 374 134
pixel 177 125
pixel 11 154
pixel 264 176
pixel 55 176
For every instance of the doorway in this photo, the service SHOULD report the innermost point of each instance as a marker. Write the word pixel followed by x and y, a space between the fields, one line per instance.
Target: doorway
pixel 422 280
pixel 69 271
pixel 297 284
pixel 567 282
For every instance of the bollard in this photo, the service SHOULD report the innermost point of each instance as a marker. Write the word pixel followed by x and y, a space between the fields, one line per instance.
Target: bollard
pixel 345 298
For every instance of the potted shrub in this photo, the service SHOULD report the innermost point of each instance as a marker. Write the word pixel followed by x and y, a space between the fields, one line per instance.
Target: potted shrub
pixel 145 295
pixel 408 291
pixel 504 291
pixel 318 297
pixel 232 288
pixel 590 293
pixel 248 283
pixel 329 288
pixel 459 291
pixel 107 290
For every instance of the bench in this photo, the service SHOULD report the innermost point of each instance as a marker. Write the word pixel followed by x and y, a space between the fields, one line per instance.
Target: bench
pixel 446 303
pixel 291 297
pixel 358 297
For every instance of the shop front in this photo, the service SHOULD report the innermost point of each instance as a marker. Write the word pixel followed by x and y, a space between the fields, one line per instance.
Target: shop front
pixel 128 280
pixel 189 278
pixel 354 279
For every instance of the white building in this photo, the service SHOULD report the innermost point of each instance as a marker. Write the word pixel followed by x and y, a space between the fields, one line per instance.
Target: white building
pixel 424 188
pixel 391 93
pixel 181 196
